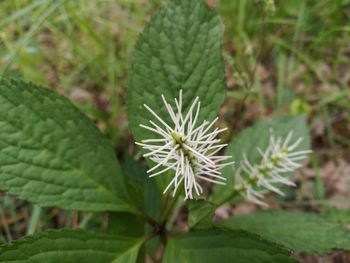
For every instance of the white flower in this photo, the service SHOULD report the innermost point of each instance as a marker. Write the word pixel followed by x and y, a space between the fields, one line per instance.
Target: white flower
pixel 279 157
pixel 185 147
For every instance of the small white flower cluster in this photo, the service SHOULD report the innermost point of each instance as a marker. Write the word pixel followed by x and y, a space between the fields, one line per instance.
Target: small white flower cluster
pixel 279 157
pixel 183 146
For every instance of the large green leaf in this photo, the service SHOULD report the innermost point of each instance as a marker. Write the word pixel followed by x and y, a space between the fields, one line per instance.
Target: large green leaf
pixel 258 136
pixel 144 188
pixel 304 232
pixel 179 49
pixel 126 224
pixel 69 246
pixel 53 155
pixel 200 213
pixel 212 246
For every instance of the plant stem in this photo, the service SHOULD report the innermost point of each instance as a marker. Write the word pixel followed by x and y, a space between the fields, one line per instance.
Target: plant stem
pixel 170 204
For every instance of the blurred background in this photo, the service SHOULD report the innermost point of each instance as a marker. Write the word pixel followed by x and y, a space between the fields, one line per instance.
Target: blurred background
pixel 281 57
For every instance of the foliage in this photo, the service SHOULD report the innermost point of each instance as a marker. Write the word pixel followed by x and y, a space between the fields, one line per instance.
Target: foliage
pixel 53 155
pixel 305 232
pixel 226 246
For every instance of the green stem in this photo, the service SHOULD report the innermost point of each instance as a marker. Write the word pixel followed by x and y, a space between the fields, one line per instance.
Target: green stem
pixel 170 204
pixel 151 221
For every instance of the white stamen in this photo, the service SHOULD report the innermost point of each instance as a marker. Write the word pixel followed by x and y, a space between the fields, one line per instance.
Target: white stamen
pixel 186 147
pixel 278 158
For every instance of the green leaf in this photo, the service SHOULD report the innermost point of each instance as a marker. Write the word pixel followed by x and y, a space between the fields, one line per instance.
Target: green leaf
pixel 126 224
pixel 129 225
pixel 144 189
pixel 53 155
pixel 334 214
pixel 258 136
pixel 303 232
pixel 70 246
pixel 179 49
pixel 212 246
pixel 200 213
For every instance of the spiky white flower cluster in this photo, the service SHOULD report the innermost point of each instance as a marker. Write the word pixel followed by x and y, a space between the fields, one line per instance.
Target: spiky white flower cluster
pixel 279 157
pixel 185 147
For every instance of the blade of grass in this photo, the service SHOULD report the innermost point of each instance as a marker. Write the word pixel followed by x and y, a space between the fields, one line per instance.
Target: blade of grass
pixel 34 219
pixel 320 192
pixel 86 218
pixel 281 63
pixel 5 225
pixel 22 12
pixel 26 38
pixel 329 130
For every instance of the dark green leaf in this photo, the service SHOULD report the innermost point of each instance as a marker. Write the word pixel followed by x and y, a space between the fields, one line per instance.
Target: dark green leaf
pixel 200 214
pixel 151 198
pixel 213 246
pixel 144 188
pixel 53 155
pixel 69 246
pixel 126 224
pixel 304 232
pixel 179 49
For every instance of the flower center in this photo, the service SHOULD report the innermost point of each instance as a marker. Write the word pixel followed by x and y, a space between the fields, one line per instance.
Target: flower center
pixel 179 140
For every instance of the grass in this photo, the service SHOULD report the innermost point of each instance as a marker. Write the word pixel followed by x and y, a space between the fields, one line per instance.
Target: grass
pixel 81 48
pixel 291 57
